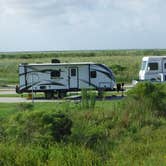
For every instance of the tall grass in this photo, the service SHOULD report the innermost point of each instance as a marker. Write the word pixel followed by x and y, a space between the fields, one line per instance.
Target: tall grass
pixel 126 132
pixel 88 99
pixel 58 155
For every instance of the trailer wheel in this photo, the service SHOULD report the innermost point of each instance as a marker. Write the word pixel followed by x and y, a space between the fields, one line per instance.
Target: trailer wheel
pixel 49 95
pixel 101 93
pixel 62 94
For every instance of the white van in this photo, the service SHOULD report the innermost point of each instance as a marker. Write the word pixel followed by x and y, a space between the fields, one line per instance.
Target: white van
pixel 153 68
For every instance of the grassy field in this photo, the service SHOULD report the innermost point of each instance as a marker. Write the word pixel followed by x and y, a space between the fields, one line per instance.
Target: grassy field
pixel 91 133
pixel 124 63
pixel 87 133
pixel 119 64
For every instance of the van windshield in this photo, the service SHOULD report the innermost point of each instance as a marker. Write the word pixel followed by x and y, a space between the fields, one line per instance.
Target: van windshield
pixel 143 67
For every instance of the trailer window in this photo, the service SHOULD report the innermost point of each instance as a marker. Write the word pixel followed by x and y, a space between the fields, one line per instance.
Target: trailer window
pixel 55 74
pixel 153 66
pixel 73 72
pixel 93 74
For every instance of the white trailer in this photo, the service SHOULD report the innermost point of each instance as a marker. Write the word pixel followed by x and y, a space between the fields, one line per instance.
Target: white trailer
pixel 153 68
pixel 61 78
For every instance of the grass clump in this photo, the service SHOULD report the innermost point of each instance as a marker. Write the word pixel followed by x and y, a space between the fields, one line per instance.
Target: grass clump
pixel 151 95
pixel 88 100
pixel 37 127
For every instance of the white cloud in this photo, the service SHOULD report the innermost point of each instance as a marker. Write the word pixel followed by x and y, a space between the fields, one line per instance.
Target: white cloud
pixel 77 11
pixel 88 20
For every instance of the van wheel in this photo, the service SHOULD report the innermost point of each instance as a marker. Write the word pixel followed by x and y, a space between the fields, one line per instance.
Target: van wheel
pixel 49 95
pixel 152 79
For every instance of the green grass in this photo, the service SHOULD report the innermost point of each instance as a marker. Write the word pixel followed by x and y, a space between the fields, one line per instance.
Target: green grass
pixel 118 64
pixel 7 109
pixel 120 132
pixel 125 132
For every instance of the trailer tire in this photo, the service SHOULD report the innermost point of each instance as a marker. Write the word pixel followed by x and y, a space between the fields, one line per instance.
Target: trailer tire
pixel 62 94
pixel 49 95
pixel 101 93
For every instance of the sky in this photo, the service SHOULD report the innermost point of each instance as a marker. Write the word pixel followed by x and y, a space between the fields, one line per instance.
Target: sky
pixel 43 25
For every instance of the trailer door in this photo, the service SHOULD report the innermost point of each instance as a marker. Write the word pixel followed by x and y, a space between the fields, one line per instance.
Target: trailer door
pixel 73 78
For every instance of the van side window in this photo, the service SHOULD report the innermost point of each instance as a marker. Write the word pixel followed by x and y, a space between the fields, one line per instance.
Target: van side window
pixel 93 74
pixel 55 74
pixel 153 66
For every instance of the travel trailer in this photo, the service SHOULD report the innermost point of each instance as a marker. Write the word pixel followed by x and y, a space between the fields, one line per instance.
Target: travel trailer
pixel 61 78
pixel 153 68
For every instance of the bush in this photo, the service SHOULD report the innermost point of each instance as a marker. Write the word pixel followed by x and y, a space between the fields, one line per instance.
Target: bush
pixel 60 125
pixel 118 68
pixel 151 96
pixel 38 127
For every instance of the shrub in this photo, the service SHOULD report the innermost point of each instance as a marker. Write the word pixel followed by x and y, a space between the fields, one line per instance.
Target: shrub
pixel 151 95
pixel 60 125
pixel 118 68
pixel 38 127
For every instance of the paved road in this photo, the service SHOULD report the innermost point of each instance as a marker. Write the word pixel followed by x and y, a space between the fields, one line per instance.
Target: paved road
pixel 20 100
pixel 12 100
pixel 10 91
pixel 7 91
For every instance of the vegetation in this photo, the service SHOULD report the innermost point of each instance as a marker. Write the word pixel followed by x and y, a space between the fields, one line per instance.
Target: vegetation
pixel 126 132
pixel 112 58
pixel 92 133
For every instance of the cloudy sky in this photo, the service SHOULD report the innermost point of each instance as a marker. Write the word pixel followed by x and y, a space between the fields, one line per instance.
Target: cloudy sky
pixel 35 25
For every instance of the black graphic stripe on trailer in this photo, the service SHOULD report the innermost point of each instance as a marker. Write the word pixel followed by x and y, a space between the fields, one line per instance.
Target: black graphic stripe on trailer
pixel 26 87
pixel 40 71
pixel 107 69
pixel 89 83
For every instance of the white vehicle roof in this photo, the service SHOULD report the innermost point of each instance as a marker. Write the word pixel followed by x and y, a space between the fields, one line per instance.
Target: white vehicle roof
pixel 153 57
pixel 57 64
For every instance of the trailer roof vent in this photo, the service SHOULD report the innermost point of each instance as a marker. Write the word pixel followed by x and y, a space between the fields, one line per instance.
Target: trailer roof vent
pixel 55 61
